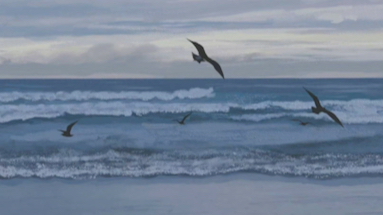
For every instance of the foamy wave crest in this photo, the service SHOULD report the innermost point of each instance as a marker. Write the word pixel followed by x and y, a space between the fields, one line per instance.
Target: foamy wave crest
pixel 265 117
pixel 354 105
pixel 258 117
pixel 347 118
pixel 24 112
pixel 358 111
pixel 193 93
pixel 141 163
pixel 349 112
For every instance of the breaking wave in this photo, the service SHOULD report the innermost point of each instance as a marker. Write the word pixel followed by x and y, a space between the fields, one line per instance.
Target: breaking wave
pixel 350 112
pixel 193 93
pixel 142 163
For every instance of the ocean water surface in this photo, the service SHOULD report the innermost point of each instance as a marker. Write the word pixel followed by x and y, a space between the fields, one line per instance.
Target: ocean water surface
pixel 126 128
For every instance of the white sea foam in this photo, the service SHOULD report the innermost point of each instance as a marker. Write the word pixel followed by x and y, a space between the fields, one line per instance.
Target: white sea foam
pixel 193 93
pixel 258 117
pixel 198 163
pixel 358 111
pixel 349 112
pixel 25 112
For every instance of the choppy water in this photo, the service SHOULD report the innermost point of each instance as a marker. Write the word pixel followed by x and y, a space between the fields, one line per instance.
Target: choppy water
pixel 127 128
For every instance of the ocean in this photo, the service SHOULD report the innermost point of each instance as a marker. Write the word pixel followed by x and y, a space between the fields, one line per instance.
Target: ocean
pixel 127 128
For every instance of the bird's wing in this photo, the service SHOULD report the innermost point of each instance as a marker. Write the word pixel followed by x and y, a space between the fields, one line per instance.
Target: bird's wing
pixel 197 57
pixel 186 117
pixel 333 116
pixel 69 128
pixel 217 67
pixel 316 100
pixel 200 49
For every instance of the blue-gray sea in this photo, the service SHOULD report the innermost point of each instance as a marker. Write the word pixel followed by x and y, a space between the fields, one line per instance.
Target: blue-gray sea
pixel 126 128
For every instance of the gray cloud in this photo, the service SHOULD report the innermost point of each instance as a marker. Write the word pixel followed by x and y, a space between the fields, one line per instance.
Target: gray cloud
pixel 273 68
pixel 107 53
pixel 54 30
pixel 76 18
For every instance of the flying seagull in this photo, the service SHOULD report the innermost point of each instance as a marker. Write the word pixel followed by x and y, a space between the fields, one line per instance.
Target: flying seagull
pixel 301 122
pixel 68 129
pixel 202 56
pixel 319 108
pixel 182 122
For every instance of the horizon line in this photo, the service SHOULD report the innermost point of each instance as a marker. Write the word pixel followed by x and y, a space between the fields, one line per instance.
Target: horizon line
pixel 72 78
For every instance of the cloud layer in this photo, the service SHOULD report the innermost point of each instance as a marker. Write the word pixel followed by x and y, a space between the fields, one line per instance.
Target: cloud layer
pixel 147 38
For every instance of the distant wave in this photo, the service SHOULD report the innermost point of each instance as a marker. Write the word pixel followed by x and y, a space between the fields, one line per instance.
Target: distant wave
pixel 141 163
pixel 351 112
pixel 25 112
pixel 259 117
pixel 193 93
pixel 346 117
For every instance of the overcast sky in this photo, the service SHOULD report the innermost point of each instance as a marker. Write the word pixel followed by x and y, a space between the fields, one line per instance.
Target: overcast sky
pixel 147 38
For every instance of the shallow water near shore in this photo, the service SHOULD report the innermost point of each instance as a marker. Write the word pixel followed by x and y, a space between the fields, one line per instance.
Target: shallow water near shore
pixel 240 193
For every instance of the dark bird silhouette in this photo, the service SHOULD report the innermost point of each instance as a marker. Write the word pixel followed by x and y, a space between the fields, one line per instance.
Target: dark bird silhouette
pixel 319 108
pixel 202 56
pixel 68 129
pixel 301 122
pixel 182 122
